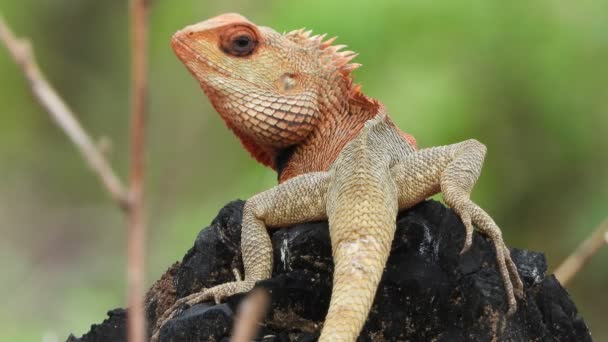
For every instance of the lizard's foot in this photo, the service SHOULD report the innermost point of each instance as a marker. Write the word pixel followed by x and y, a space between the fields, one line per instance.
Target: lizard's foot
pixel 217 293
pixel 471 214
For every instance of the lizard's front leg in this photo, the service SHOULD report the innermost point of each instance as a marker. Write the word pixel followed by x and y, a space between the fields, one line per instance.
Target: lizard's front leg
pixel 453 170
pixel 300 199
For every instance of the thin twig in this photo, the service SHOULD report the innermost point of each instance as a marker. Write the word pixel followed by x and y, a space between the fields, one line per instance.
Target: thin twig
pixel 583 253
pixel 131 202
pixel 63 116
pixel 135 269
pixel 251 311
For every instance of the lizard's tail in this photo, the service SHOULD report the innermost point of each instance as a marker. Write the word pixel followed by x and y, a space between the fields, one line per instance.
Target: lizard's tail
pixel 362 209
pixel 358 269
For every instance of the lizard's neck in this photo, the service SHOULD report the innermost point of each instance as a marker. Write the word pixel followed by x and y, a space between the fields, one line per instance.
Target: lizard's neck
pixel 319 150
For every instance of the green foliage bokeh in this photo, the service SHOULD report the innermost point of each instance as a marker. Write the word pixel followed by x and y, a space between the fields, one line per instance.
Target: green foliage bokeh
pixel 527 78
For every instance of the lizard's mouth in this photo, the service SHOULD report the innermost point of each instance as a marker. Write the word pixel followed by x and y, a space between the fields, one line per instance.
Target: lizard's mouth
pixel 186 53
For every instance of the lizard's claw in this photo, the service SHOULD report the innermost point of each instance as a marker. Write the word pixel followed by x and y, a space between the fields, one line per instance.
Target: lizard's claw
pixel 510 276
pixel 514 287
pixel 217 293
pixel 171 312
pixel 468 237
pixel 237 274
pixel 471 214
pixel 203 296
pixel 518 285
pixel 463 210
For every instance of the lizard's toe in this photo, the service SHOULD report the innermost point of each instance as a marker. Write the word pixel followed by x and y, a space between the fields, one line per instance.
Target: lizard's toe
pixel 512 309
pixel 464 212
pixel 237 274
pixel 468 239
pixel 196 298
pixel 511 300
pixel 518 285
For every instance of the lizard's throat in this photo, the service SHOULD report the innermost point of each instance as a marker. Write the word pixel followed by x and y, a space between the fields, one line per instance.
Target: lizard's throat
pixel 319 150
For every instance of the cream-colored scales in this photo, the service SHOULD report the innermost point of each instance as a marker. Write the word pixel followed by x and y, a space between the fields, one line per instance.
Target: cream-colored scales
pixel 361 195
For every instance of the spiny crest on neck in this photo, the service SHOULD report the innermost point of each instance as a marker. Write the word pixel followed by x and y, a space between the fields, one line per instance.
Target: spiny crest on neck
pixel 330 55
pixel 334 60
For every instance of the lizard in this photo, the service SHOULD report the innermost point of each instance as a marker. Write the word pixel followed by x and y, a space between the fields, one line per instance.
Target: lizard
pixel 291 100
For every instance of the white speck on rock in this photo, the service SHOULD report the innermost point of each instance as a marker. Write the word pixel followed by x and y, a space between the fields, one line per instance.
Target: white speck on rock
pixel 536 275
pixel 284 255
pixel 424 246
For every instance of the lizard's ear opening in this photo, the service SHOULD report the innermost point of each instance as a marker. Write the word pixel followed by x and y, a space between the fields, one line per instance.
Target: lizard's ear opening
pixel 239 40
pixel 287 82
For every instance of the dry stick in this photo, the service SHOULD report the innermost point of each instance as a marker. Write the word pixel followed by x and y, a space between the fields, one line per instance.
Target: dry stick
pixel 132 202
pixel 575 262
pixel 250 312
pixel 139 10
pixel 21 52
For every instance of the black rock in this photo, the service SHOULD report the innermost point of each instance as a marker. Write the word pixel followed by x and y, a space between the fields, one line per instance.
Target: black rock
pixel 114 328
pixel 428 291
pixel 216 252
pixel 211 322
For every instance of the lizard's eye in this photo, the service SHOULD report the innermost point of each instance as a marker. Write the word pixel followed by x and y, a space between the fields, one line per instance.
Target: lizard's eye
pixel 242 43
pixel 239 43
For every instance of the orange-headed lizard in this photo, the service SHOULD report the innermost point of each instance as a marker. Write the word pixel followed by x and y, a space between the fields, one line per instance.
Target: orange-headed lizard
pixel 291 100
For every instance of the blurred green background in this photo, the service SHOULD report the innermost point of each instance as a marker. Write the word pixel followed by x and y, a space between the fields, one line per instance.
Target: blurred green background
pixel 527 78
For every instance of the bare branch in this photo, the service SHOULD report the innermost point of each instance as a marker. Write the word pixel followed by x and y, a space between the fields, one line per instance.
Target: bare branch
pixel 62 115
pixel 583 253
pixel 131 202
pixel 135 269
pixel 251 311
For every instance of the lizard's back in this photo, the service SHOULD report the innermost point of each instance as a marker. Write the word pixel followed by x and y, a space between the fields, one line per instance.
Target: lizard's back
pixel 362 209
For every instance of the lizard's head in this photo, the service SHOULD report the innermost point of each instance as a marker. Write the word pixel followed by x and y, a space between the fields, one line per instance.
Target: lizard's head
pixel 270 88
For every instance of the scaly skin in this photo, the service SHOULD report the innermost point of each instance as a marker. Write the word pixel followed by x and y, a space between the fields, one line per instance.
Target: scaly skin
pixel 291 100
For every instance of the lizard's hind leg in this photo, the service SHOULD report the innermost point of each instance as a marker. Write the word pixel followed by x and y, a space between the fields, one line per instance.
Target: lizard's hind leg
pixel 299 199
pixel 453 170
